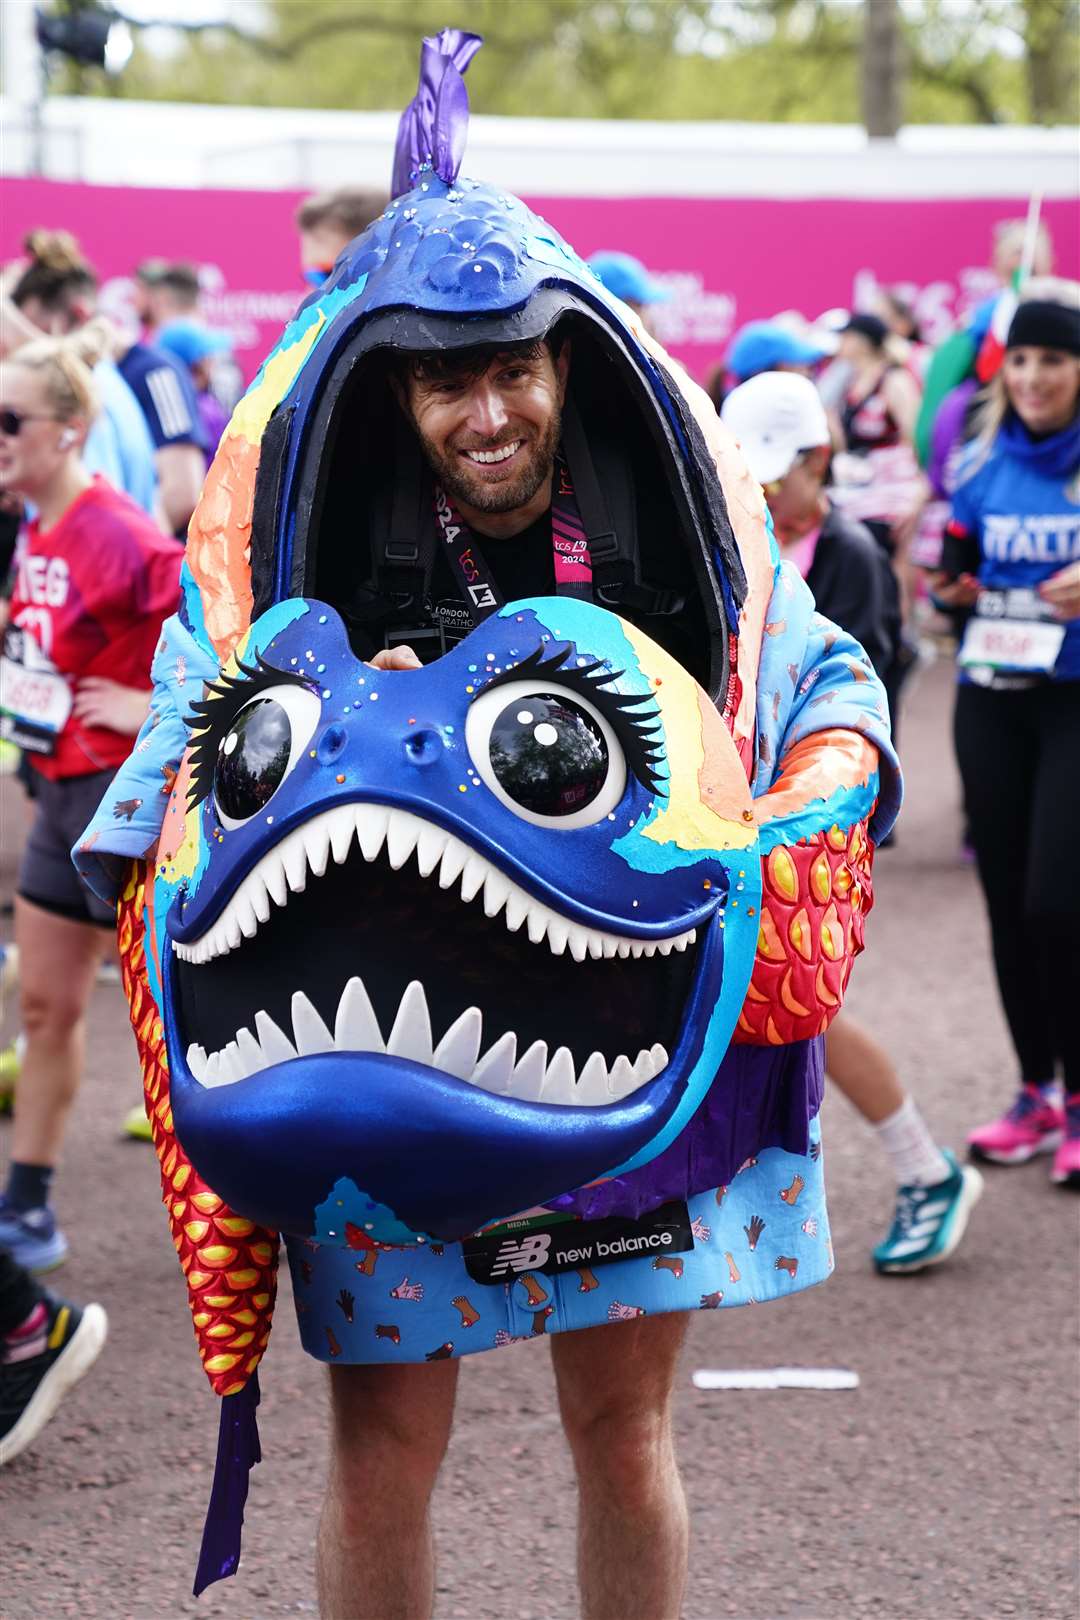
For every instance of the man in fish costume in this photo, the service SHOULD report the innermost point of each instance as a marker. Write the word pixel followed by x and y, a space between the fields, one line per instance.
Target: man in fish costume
pixel 491 973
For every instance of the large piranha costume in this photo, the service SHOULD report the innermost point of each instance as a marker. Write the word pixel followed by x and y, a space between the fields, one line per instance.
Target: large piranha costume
pixel 497 986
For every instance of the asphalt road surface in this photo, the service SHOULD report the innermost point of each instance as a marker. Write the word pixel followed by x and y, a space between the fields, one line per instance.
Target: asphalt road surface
pixel 943 1488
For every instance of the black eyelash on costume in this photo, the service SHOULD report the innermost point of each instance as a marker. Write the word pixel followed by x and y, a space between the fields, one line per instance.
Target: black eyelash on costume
pixel 639 733
pixel 211 718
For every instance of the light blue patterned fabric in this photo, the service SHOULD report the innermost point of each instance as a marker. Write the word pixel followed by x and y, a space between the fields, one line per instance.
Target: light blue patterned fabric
pixel 763 1237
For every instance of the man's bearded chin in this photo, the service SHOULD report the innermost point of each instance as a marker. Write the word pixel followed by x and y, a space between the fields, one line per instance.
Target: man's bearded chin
pixel 502 497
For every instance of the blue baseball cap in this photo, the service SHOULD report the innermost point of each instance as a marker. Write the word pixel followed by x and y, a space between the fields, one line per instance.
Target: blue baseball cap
pixel 191 342
pixel 628 279
pixel 765 345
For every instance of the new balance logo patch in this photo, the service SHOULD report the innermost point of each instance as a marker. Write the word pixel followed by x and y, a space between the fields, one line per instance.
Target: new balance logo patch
pixel 528 1255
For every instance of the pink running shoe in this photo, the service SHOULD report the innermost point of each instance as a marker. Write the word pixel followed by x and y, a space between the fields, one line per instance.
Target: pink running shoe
pixel 1032 1125
pixel 1066 1166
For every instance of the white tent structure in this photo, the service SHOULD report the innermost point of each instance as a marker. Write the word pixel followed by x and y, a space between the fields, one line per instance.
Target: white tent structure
pixel 116 142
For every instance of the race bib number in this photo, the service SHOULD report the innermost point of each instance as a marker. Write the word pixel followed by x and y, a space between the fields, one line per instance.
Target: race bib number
pixel 557 1244
pixel 35 699
pixel 1011 631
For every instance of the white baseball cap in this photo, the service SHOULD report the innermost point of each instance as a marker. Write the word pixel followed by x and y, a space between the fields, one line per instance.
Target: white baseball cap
pixel 773 417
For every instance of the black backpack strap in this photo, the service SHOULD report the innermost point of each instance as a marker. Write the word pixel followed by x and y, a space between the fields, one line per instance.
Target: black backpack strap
pixel 404 549
pixel 604 489
pixel 612 544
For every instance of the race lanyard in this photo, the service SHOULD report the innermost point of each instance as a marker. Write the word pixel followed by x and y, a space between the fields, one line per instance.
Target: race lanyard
pixel 573 569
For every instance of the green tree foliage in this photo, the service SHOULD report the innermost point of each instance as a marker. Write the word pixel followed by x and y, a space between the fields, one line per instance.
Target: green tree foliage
pixel 758 60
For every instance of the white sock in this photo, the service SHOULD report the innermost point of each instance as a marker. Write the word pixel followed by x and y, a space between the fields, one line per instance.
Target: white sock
pixel 914 1155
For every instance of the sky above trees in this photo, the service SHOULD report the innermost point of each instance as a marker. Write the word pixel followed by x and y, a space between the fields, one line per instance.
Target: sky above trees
pixel 966 61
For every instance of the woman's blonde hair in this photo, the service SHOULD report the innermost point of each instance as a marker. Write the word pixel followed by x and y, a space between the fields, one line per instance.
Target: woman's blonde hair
pixel 65 365
pixel 995 407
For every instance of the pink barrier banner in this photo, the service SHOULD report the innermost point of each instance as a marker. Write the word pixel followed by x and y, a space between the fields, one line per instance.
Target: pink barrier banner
pixel 725 261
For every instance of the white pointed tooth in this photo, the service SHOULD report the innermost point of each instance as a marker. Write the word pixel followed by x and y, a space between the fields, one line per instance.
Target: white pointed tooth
pixel 294 859
pixel 610 946
pixel 529 1071
pixel 659 1057
pixel 453 862
pixel 495 1068
pixel 244 912
pixel 342 831
pixel 317 843
pixel 666 946
pixel 272 872
pixel 686 939
pixel 517 909
pixel 195 1058
pixel 309 1030
pixel 592 1085
pixel 539 916
pixel 276 1047
pixel 473 875
pixel 401 835
pixel 233 932
pixel 429 848
pixel 644 1069
pixel 371 823
pixel 411 1035
pixel 212 1070
pixel 578 941
pixel 559 1082
pixel 231 1067
pixel 260 900
pixel 623 948
pixel 356 1028
pixel 558 932
pixel 459 1048
pixel 595 945
pixel 496 890
pixel 251 1053
pixel 650 949
pixel 638 949
pixel 621 1079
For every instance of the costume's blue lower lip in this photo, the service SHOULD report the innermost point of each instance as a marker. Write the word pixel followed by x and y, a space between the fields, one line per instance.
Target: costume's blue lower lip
pixel 445 1156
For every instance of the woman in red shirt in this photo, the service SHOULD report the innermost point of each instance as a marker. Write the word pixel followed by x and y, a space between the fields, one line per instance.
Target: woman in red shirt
pixel 94 581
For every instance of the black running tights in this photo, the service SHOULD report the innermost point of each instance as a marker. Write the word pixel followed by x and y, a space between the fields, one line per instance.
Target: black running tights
pixel 1019 757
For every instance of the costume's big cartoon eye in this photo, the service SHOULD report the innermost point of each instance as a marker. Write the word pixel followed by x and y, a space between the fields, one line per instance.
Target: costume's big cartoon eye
pixel 546 753
pixel 259 750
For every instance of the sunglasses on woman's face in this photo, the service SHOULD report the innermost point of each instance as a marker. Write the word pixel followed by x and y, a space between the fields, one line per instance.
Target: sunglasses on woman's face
pixel 11 421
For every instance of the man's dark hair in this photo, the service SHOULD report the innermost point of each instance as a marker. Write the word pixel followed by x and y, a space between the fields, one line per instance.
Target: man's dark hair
pixel 182 280
pixel 350 209
pixel 466 365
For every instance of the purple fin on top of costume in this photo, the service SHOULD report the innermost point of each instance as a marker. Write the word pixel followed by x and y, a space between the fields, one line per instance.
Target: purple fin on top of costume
pixel 434 125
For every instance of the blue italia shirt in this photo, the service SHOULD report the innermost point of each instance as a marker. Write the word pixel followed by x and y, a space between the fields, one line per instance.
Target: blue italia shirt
pixel 1021 504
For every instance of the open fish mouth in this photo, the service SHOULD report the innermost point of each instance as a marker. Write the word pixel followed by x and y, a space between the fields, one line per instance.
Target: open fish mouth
pixel 369 930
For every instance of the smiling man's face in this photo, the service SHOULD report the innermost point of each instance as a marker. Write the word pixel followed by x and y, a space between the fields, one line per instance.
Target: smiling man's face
pixel 490 429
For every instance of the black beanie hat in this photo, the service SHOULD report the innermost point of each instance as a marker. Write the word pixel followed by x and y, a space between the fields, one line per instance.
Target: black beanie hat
pixel 1045 325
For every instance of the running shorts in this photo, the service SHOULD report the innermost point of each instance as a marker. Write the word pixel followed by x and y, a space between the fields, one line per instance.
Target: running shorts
pixel 46 876
pixel 763 1237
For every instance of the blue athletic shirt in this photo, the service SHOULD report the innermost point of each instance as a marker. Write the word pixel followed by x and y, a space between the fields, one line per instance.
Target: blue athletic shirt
pixel 1022 505
pixel 119 445
pixel 166 394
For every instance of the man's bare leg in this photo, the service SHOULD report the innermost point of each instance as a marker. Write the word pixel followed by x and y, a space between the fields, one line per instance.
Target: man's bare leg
pixel 615 1385
pixel 389 1431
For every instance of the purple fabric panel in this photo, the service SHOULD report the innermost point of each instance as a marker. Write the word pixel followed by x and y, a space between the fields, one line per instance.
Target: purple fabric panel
pixel 238 1452
pixel 435 124
pixel 762 1097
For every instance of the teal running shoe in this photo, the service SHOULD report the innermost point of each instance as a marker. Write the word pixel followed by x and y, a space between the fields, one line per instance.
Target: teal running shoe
pixel 930 1221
